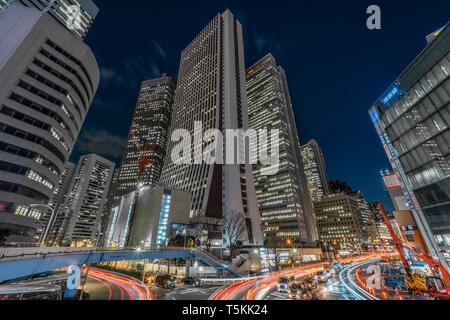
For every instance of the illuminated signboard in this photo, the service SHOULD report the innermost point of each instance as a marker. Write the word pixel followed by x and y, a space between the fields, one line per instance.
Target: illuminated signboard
pixel 391 181
pixel 394 91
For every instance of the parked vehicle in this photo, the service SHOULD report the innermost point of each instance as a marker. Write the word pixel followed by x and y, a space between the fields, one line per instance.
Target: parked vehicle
pixel 165 281
pixel 191 281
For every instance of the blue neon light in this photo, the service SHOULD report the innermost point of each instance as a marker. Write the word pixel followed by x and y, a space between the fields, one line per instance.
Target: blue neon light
pixel 394 91
pixel 163 220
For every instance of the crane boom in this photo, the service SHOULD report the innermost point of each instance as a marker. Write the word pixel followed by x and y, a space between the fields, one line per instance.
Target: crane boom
pixel 400 245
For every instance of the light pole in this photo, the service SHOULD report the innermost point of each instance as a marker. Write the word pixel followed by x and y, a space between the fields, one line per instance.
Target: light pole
pixel 50 221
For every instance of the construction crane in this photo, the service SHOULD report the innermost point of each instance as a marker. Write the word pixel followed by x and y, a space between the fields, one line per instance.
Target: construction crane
pixel 436 266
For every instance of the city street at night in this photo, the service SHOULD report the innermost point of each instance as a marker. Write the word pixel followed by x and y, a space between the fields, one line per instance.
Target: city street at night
pixel 224 159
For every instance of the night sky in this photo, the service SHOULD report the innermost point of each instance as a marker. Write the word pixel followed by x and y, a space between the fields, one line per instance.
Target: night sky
pixel 336 68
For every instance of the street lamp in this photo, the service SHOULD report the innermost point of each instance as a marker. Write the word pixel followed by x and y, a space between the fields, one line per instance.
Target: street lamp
pixel 50 221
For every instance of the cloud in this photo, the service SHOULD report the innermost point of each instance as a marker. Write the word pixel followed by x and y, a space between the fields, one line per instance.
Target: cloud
pixel 270 43
pixel 159 49
pixel 110 75
pixel 101 142
pixel 259 42
pixel 111 105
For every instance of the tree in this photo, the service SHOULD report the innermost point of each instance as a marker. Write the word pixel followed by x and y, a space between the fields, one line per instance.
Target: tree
pixel 233 229
pixel 203 234
pixel 275 245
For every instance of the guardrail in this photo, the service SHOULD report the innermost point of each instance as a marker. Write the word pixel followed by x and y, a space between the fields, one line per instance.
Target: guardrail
pixel 8 254
pixel 224 281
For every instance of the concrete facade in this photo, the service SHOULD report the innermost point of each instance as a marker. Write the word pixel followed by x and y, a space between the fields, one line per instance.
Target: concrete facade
pixel 48 79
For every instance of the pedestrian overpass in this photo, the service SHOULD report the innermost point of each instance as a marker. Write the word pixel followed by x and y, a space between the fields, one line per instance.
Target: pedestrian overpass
pixel 22 262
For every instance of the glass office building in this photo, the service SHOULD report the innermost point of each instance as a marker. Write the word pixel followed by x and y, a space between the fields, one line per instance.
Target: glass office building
pixel 148 136
pixel 211 90
pixel 283 198
pixel 315 172
pixel 412 119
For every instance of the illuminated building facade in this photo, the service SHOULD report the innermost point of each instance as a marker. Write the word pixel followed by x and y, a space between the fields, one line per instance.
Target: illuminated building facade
pixel 159 212
pixel 58 10
pixel 412 119
pixel 48 79
pixel 82 209
pixel 315 171
pixel 149 128
pixel 282 198
pixel 59 196
pixel 211 89
pixel 340 222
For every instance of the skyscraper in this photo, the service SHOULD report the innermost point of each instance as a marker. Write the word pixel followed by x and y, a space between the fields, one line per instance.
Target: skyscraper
pixel 149 131
pixel 211 90
pixel 282 198
pixel 412 119
pixel 340 222
pixel 82 209
pixel 59 10
pixel 48 78
pixel 59 196
pixel 337 186
pixel 315 171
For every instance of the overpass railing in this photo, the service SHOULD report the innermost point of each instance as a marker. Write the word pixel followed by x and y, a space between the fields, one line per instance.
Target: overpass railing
pixel 8 254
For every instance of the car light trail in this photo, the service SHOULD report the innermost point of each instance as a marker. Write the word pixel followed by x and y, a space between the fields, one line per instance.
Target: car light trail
pixel 134 289
pixel 258 289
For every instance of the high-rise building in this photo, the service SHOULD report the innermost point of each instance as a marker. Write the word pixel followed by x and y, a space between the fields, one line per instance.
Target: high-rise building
pixel 362 203
pixel 59 196
pixel 211 90
pixel 160 212
pixel 392 183
pixel 340 223
pixel 412 119
pixel 148 136
pixel 63 11
pixel 282 198
pixel 82 209
pixel 315 171
pixel 337 186
pixel 48 78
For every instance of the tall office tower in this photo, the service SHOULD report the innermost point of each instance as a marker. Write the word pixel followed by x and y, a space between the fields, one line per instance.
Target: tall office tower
pixel 63 11
pixel 82 209
pixel 282 198
pixel 48 78
pixel 340 222
pixel 211 89
pixel 108 204
pixel 337 186
pixel 59 195
pixel 393 186
pixel 149 129
pixel 412 119
pixel 362 203
pixel 376 213
pixel 315 171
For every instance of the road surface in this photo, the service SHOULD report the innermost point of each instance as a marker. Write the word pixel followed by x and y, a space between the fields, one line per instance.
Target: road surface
pixel 105 285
